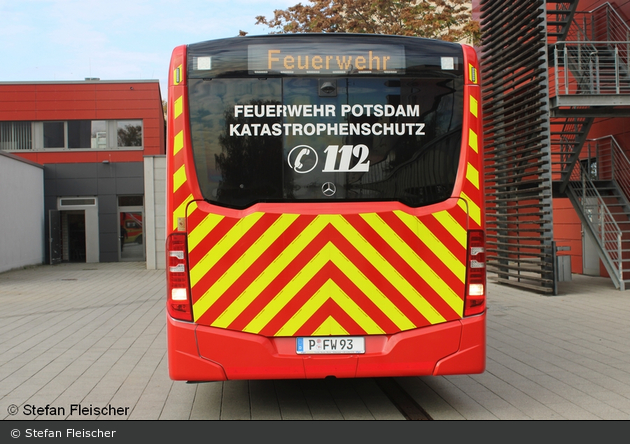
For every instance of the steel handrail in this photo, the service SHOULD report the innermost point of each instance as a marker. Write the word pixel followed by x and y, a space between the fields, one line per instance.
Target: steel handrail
pixel 600 24
pixel 615 24
pixel 593 68
pixel 607 232
pixel 589 33
pixel 617 161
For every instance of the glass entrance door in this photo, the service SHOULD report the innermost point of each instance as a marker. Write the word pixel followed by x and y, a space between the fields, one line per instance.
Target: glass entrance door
pixel 131 234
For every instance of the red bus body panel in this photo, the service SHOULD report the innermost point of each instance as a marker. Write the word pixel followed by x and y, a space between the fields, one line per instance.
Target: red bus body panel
pixel 200 353
pixel 410 256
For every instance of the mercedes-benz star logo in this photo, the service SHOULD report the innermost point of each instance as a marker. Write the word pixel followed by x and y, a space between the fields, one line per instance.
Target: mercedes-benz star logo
pixel 329 189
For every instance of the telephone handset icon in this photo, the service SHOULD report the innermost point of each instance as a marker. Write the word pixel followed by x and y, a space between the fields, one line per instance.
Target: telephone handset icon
pixel 298 163
pixel 304 161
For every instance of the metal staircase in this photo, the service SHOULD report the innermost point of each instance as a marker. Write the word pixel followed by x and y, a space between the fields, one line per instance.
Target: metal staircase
pixel 590 79
pixel 548 71
pixel 567 140
pixel 598 190
pixel 559 17
pixel 591 64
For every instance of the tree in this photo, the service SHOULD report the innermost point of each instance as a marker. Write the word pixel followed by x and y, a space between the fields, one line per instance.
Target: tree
pixel 448 20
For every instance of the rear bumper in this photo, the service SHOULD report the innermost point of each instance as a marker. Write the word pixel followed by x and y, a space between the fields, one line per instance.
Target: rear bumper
pixel 200 353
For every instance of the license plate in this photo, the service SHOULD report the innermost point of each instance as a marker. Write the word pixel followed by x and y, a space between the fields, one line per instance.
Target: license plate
pixel 330 345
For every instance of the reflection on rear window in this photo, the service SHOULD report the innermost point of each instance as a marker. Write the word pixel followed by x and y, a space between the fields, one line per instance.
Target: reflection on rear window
pixel 310 139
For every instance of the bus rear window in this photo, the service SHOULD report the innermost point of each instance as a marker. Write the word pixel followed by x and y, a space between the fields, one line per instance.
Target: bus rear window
pixel 315 139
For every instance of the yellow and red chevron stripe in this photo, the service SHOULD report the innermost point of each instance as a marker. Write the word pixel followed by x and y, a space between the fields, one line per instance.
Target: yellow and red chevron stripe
pixel 472 192
pixel 356 274
pixel 180 192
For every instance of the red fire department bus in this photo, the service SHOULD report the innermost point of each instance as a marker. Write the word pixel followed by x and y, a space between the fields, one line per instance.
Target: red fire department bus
pixel 325 208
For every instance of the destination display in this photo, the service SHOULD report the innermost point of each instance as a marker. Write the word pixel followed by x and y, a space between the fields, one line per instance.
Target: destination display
pixel 326 59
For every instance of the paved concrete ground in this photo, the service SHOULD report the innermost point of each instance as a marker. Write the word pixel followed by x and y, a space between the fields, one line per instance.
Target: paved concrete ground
pixel 549 357
pixel 94 334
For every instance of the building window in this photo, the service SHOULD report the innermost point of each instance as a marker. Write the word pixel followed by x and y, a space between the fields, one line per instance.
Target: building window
pixel 130 201
pixel 15 136
pixel 54 135
pixel 129 133
pixel 98 136
pixel 71 135
pixel 83 134
pixel 74 201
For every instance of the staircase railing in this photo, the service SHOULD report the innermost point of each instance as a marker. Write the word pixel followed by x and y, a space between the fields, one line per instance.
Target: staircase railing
pixel 595 56
pixel 591 68
pixel 602 24
pixel 606 160
pixel 602 224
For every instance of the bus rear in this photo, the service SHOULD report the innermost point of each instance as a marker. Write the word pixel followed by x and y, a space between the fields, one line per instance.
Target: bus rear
pixel 324 209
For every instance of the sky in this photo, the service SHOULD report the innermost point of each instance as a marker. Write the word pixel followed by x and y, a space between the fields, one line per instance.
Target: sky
pixel 58 40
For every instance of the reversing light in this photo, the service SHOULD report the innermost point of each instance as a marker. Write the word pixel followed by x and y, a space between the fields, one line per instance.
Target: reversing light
pixel 475 300
pixel 179 294
pixel 475 290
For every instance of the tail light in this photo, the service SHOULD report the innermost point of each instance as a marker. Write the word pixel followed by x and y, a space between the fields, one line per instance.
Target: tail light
pixel 178 292
pixel 475 301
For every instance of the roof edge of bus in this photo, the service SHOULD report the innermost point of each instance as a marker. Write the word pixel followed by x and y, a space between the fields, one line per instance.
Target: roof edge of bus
pixel 329 35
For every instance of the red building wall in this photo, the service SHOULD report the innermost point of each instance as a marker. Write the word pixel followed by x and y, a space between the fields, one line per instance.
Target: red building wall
pixel 90 100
